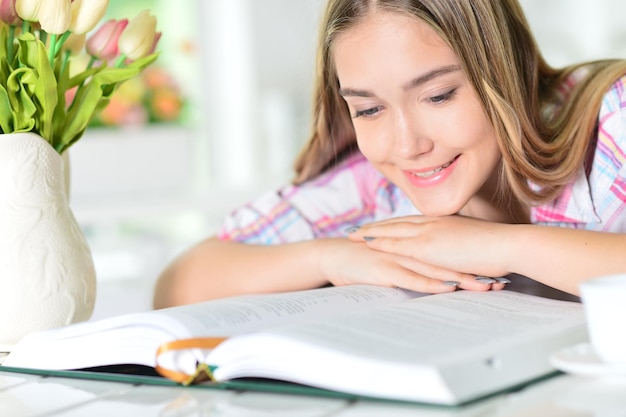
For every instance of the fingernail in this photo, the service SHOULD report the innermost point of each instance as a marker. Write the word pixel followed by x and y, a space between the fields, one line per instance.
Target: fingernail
pixel 451 283
pixel 485 280
pixel 368 238
pixel 503 280
pixel 352 229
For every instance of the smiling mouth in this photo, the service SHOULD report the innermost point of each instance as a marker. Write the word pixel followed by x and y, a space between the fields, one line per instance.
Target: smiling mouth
pixel 436 170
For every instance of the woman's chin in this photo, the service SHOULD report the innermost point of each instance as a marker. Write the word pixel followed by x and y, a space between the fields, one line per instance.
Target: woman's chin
pixel 437 211
pixel 437 204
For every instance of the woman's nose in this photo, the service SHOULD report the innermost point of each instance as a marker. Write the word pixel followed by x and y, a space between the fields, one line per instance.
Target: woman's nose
pixel 409 140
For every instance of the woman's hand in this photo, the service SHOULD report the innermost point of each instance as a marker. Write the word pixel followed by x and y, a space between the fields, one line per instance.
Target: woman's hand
pixel 451 243
pixel 345 262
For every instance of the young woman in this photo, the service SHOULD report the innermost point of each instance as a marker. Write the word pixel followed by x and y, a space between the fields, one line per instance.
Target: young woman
pixel 444 150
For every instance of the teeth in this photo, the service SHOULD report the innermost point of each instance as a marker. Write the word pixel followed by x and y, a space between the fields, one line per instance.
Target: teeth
pixel 433 172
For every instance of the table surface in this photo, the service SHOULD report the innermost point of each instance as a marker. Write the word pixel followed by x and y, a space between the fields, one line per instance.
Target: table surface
pixel 24 395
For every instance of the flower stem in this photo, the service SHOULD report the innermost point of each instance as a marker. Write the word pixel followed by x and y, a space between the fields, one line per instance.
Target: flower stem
pixel 10 40
pixel 120 61
pixel 92 60
pixel 25 26
pixel 51 51
pixel 66 58
pixel 60 42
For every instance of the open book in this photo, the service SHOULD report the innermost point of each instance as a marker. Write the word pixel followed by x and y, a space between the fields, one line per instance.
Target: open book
pixel 359 340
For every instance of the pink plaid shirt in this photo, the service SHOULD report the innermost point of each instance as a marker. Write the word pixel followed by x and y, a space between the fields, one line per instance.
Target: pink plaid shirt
pixel 355 193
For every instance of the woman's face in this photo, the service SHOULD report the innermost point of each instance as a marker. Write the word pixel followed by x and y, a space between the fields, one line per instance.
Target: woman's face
pixel 417 118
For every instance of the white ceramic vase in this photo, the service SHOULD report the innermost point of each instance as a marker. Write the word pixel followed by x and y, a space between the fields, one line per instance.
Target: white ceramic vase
pixel 47 276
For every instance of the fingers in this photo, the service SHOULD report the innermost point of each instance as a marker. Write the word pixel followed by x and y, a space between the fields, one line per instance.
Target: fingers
pixel 400 245
pixel 500 283
pixel 421 283
pixel 435 277
pixel 411 274
pixel 398 228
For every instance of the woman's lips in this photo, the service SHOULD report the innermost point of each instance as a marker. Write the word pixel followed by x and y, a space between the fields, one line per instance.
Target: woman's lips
pixel 432 172
pixel 432 176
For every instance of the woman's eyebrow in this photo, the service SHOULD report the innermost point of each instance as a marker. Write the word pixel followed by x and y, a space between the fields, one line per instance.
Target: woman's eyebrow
pixel 417 81
pixel 352 92
pixel 424 78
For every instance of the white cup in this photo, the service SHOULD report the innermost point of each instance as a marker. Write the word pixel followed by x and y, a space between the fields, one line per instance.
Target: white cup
pixel 604 302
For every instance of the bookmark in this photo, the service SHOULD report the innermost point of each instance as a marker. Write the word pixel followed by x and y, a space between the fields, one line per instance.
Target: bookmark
pixel 203 371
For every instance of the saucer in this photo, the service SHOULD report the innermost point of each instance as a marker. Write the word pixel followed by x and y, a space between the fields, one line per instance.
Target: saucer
pixel 581 359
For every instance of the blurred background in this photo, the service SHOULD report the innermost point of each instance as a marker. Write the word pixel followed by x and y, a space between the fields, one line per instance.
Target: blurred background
pixel 219 119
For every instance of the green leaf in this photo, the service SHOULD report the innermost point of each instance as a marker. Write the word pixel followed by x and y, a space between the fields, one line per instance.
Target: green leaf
pixel 5 71
pixel 6 112
pixel 4 36
pixel 60 113
pixel 142 63
pixel 33 55
pixel 80 78
pixel 90 99
pixel 19 90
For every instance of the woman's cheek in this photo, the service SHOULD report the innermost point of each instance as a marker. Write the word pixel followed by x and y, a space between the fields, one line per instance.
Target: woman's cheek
pixel 372 144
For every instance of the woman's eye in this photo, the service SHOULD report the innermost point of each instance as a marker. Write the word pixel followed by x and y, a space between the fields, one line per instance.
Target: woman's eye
pixel 367 112
pixel 442 98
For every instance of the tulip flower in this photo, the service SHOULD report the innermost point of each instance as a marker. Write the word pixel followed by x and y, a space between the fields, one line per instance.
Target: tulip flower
pixel 157 37
pixel 103 44
pixel 55 16
pixel 86 14
pixel 8 14
pixel 138 38
pixel 58 97
pixel 74 43
pixel 28 10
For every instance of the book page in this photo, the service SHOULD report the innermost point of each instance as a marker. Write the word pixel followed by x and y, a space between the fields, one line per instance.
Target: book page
pixel 236 315
pixel 401 350
pixel 233 316
pixel 134 338
pixel 431 328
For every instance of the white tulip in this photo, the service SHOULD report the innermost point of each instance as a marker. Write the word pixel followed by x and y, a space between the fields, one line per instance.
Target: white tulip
pixel 55 16
pixel 137 39
pixel 86 14
pixel 28 9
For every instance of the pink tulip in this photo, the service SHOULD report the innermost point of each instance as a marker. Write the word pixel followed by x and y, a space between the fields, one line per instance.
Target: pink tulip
pixel 103 44
pixel 8 14
pixel 157 37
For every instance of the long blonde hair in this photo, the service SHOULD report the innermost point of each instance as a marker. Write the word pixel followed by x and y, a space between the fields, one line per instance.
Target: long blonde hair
pixel 516 86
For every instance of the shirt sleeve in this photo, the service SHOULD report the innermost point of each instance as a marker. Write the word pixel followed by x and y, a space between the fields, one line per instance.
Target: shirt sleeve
pixel 608 176
pixel 597 200
pixel 347 195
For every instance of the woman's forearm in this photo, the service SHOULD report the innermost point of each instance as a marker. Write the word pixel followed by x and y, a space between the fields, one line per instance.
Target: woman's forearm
pixel 217 269
pixel 563 258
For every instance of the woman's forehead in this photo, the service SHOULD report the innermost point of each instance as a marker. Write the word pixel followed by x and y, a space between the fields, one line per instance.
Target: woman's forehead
pixel 389 44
